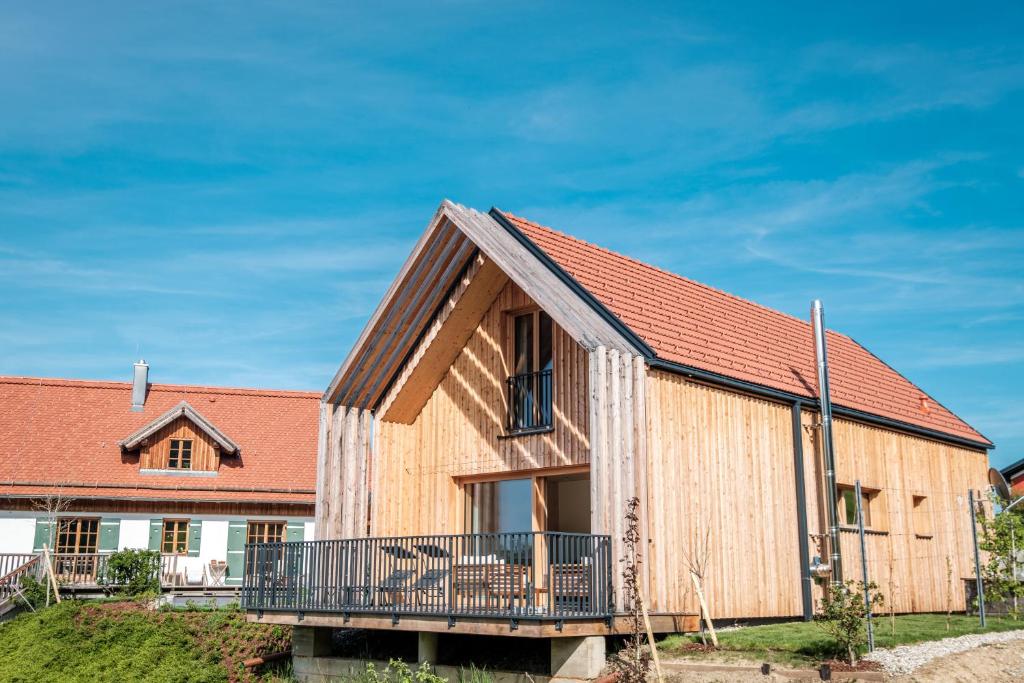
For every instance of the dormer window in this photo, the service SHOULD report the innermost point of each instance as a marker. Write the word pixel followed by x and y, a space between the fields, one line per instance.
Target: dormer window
pixel 180 455
pixel 180 442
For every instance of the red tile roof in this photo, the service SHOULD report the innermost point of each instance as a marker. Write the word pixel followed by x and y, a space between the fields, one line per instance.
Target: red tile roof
pixel 695 325
pixel 58 431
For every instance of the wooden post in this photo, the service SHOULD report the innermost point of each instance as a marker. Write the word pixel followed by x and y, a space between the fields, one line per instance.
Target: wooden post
pixel 49 571
pixel 704 609
pixel 977 560
pixel 864 569
pixel 650 638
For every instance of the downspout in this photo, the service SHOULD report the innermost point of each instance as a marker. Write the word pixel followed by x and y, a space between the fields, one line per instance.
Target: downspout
pixel 825 402
pixel 806 582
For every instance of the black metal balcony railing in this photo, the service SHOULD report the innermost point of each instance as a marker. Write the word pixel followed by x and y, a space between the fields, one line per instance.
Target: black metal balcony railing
pixel 535 575
pixel 529 401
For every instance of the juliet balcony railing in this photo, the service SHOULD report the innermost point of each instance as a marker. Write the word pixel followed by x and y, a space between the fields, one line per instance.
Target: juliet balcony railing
pixel 530 575
pixel 529 402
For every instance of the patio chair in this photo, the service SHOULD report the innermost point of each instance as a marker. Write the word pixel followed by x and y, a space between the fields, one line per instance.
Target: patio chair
pixel 571 586
pixel 506 584
pixel 193 572
pixel 393 589
pixel 470 585
pixel 432 584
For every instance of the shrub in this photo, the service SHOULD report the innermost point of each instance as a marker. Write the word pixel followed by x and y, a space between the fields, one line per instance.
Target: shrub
pixel 398 671
pixel 843 615
pixel 133 571
pixel 33 591
pixel 998 539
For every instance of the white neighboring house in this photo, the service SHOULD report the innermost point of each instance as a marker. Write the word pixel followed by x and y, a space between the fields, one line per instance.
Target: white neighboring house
pixel 194 472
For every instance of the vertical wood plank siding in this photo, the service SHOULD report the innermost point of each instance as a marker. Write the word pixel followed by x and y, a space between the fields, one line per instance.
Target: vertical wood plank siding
pixel 618 426
pixel 344 460
pixel 205 453
pixel 901 466
pixel 723 461
pixel 457 433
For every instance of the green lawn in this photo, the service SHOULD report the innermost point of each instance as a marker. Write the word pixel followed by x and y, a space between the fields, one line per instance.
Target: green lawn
pixel 804 642
pixel 123 641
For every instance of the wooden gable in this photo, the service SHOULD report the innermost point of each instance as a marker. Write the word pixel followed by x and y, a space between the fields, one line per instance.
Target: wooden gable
pixel 154 454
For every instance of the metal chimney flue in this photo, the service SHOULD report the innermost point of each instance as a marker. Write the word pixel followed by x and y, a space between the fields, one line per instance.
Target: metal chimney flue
pixel 825 403
pixel 140 380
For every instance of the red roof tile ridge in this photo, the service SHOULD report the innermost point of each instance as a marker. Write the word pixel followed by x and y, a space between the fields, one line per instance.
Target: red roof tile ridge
pixel 172 388
pixel 663 271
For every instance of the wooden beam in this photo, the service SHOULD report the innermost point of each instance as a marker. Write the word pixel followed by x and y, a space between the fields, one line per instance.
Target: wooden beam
pixel 444 340
pixel 408 331
pixel 526 628
pixel 408 271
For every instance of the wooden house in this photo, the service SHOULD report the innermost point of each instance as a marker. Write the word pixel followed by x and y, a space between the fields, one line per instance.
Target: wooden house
pixel 1014 475
pixel 516 387
pixel 87 468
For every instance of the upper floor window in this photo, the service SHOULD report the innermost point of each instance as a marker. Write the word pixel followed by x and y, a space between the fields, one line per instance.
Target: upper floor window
pixel 180 455
pixel 529 387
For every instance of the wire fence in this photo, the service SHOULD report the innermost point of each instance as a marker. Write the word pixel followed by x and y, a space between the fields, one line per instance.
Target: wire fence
pixel 919 548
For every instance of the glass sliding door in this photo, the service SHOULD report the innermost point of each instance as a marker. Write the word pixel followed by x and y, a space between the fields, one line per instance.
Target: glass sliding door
pixel 502 506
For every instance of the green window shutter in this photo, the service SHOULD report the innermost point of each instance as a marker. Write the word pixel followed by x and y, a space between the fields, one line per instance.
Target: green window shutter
pixel 42 536
pixel 237 531
pixel 295 531
pixel 156 532
pixel 110 534
pixel 195 534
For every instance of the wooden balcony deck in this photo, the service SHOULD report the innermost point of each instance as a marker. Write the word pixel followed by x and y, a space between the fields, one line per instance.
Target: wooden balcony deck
pixel 531 584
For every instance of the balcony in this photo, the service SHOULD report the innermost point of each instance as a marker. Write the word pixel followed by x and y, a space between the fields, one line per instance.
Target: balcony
pixel 83 571
pixel 529 402
pixel 541 576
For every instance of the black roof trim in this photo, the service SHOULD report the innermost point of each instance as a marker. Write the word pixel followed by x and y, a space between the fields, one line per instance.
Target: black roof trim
pixel 1013 469
pixel 787 397
pixel 578 289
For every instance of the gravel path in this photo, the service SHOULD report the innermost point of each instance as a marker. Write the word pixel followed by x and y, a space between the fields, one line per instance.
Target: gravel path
pixel 906 658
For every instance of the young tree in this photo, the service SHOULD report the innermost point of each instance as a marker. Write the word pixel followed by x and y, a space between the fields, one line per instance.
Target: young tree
pixel 843 615
pixel 634 661
pixel 1001 538
pixel 698 557
pixel 52 505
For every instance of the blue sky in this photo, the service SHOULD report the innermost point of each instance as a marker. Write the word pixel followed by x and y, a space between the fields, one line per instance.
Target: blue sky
pixel 228 188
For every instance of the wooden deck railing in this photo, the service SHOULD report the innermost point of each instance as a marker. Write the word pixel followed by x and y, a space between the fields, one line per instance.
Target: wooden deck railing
pixel 535 575
pixel 89 570
pixel 13 566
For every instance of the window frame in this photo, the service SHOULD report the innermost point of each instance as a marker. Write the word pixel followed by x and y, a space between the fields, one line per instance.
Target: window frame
pixel 536 313
pixel 250 536
pixel 540 322
pixel 61 548
pixel 178 524
pixel 873 505
pixel 176 448
pixel 921 516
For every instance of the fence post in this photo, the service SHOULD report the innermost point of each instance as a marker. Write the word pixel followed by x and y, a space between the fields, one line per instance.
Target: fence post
pixel 977 560
pixel 864 568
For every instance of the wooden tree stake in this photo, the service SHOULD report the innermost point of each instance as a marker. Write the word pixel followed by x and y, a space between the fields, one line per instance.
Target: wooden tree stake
pixel 704 609
pixel 650 639
pixel 49 572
